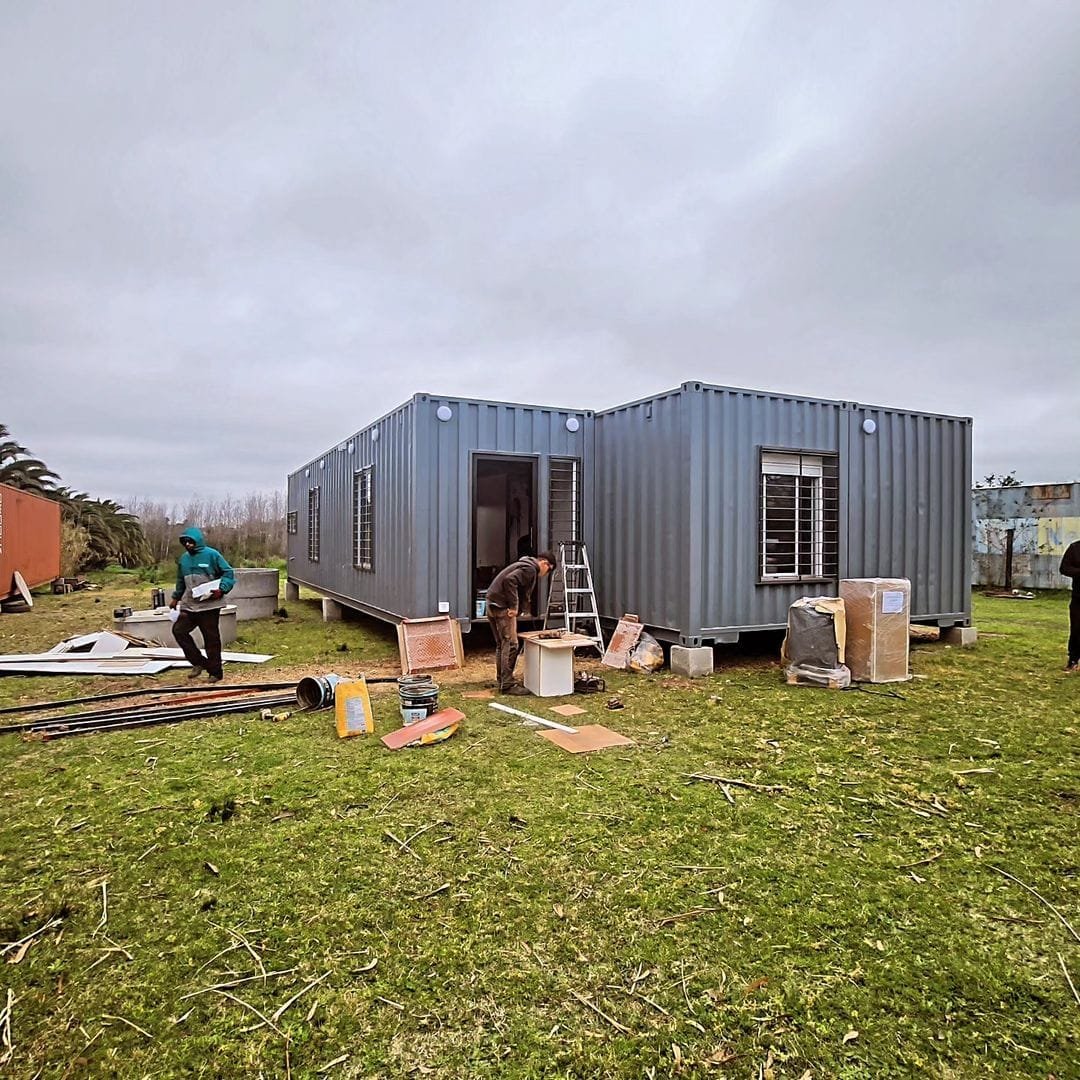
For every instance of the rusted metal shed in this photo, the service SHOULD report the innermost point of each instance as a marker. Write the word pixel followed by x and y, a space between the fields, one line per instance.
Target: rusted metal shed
pixel 1021 533
pixel 707 509
pixel 29 539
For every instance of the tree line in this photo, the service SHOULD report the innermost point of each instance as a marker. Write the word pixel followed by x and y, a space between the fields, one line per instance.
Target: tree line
pixel 98 532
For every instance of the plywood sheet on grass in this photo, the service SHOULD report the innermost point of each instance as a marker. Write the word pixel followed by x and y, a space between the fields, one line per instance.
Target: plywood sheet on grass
pixel 586 739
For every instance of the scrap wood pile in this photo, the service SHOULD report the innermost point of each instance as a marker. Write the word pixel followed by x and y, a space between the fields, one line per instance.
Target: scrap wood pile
pixel 106 653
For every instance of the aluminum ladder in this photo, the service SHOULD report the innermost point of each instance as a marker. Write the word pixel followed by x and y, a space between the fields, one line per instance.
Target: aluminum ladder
pixel 571 602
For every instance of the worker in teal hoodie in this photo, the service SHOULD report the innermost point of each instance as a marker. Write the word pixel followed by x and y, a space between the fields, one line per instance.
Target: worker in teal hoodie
pixel 200 607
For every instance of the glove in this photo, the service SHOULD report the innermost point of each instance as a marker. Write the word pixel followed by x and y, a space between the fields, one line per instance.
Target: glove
pixel 217 594
pixel 172 602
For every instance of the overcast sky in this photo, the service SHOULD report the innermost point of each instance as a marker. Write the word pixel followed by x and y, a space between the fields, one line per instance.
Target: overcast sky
pixel 232 234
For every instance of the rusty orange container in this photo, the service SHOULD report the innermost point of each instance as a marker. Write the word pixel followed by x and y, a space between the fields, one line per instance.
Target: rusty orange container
pixel 29 539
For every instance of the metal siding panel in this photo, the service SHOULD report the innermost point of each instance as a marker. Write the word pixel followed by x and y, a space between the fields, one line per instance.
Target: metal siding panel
pixel 423 499
pixel 736 425
pixel 908 507
pixel 392 457
pixel 640 496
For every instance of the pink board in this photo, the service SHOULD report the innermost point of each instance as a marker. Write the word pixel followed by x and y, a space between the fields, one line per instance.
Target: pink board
pixel 401 738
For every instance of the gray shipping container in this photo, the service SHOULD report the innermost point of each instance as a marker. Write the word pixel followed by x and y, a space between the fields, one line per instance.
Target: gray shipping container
pixel 416 513
pixel 707 510
pixel 718 507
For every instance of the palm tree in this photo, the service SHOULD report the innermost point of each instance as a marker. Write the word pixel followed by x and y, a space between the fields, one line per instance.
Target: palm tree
pixel 114 534
pixel 20 470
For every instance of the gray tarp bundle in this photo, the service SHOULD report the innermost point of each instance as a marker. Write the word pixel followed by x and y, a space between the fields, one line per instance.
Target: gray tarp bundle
pixel 814 647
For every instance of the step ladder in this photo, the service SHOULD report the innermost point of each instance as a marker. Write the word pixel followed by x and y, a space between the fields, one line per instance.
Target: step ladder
pixel 571 602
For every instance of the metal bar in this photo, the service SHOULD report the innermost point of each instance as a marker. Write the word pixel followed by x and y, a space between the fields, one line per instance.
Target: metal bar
pixel 535 719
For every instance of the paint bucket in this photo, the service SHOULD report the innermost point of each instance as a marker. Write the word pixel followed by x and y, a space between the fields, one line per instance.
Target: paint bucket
pixel 481 604
pixel 419 695
pixel 317 691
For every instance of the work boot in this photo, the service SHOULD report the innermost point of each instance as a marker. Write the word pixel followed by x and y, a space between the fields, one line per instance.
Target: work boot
pixel 518 691
pixel 195 672
pixel 213 678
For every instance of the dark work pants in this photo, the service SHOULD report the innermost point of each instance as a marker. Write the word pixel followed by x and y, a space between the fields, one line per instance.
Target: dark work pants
pixel 507 646
pixel 208 623
pixel 1074 630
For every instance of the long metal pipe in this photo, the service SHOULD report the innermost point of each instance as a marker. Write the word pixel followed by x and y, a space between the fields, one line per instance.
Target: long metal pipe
pixel 45 706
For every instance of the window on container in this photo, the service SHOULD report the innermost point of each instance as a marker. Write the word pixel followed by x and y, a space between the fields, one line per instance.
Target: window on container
pixel 364 519
pixel 313 524
pixel 292 522
pixel 799 516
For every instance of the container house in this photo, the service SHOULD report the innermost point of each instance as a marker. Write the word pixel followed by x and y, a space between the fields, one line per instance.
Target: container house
pixel 414 514
pixel 29 539
pixel 707 510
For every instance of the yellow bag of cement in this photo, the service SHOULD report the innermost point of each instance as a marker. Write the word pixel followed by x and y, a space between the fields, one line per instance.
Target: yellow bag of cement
pixel 352 709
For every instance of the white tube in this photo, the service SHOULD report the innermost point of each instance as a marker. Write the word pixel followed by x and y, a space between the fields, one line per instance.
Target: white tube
pixel 535 719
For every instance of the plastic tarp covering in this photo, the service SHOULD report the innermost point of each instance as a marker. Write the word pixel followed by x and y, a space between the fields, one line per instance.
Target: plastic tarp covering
pixel 814 648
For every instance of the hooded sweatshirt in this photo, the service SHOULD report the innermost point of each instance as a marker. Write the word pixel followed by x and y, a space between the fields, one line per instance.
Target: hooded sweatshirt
pixel 1070 566
pixel 197 567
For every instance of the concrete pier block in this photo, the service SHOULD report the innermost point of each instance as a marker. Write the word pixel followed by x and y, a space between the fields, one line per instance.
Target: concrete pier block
pixel 332 611
pixel 292 591
pixel 965 636
pixel 693 663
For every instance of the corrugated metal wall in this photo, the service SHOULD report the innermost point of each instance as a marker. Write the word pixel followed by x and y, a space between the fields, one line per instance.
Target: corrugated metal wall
pixel 392 587
pixel 642 548
pixel 29 539
pixel 1044 520
pixel 423 473
pixel 671 507
pixel 731 428
pixel 909 505
pixel 678 505
pixel 445 482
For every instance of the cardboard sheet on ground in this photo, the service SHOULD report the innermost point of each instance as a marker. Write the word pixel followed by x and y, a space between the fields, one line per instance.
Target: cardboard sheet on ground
pixel 586 739
pixel 567 710
pixel 422 731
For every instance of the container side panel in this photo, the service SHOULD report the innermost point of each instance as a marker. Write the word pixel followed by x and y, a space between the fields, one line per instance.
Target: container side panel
pixel 909 507
pixel 29 539
pixel 446 454
pixel 641 553
pixel 390 455
pixel 736 427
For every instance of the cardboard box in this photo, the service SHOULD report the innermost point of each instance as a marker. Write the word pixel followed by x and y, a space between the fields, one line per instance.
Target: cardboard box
pixel 878 616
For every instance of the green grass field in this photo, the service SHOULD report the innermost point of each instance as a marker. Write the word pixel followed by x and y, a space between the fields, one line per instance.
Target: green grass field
pixel 492 906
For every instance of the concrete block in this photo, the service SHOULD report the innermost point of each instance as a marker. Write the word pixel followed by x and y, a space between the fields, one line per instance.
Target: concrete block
pixel 693 663
pixel 155 625
pixel 292 591
pixel 332 611
pixel 960 635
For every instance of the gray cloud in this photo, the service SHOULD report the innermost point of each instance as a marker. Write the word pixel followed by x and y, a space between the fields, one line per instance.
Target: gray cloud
pixel 229 237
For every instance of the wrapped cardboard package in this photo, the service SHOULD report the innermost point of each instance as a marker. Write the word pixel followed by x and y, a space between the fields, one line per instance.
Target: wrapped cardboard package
pixel 814 648
pixel 878 617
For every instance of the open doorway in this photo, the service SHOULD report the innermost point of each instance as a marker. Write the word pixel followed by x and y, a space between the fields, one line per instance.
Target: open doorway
pixel 504 518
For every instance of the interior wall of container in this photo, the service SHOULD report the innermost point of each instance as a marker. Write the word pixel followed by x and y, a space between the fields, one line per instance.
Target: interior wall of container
pixel 391 588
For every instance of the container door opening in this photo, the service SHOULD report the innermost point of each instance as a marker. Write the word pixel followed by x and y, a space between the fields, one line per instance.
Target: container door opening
pixel 504 520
